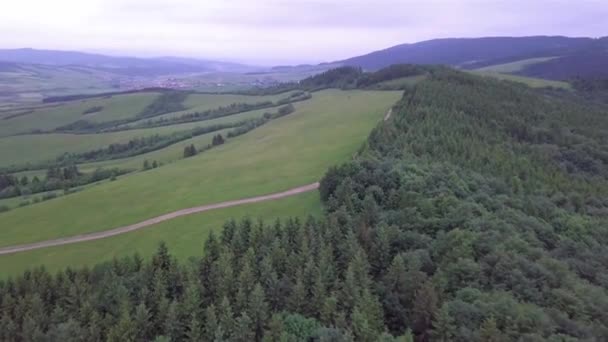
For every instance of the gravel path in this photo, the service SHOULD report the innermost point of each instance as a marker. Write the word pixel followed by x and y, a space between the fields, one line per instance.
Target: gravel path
pixel 154 220
pixel 388 114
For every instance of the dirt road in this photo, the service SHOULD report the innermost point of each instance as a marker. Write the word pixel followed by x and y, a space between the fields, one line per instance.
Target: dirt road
pixel 155 220
pixel 388 114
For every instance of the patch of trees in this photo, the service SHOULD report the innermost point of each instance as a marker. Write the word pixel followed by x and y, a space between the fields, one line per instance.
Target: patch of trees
pixel 92 110
pixel 394 72
pixel 215 113
pixel 151 143
pixel 583 64
pixel 85 126
pixel 352 77
pixel 342 77
pixel 138 146
pixel 296 96
pixel 57 178
pixel 18 114
pixel 217 140
pixel 593 89
pixel 167 102
pixel 190 150
pixel 53 99
pixel 147 165
pixel 254 123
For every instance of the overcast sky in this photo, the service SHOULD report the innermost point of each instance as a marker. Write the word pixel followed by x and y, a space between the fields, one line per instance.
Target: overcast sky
pixel 282 31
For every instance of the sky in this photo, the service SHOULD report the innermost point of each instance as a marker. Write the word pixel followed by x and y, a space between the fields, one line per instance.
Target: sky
pixel 281 31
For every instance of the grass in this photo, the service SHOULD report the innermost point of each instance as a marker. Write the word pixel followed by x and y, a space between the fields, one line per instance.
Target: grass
pixel 166 155
pixel 53 116
pixel 16 150
pixel 529 81
pixel 514 66
pixel 203 102
pixel 184 236
pixel 289 151
pixel 29 83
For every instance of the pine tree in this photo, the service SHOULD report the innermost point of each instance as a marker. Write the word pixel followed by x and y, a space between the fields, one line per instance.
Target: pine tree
pixel 211 322
pixel 142 323
pixel 8 329
pixel 275 329
pixel 361 327
pixel 194 331
pixel 424 311
pixel 243 331
pixel 297 299
pixel 172 326
pixel 226 317
pixel 443 326
pixel 329 311
pixel 370 308
pixel 124 330
pixel 318 296
pixel 489 332
pixel 258 311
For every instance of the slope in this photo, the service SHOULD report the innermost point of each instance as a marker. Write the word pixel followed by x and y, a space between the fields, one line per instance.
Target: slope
pixel 469 51
pixel 330 128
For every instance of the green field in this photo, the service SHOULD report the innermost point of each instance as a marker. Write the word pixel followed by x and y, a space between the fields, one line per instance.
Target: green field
pixel 30 83
pixel 287 152
pixel 203 102
pixel 16 150
pixel 53 116
pixel 514 66
pixel 184 236
pixel 529 81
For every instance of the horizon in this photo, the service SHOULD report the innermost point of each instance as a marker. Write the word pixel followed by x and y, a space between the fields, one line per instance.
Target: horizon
pixel 228 60
pixel 268 33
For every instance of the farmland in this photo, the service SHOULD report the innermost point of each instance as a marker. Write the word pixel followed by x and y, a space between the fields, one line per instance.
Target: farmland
pixel 287 152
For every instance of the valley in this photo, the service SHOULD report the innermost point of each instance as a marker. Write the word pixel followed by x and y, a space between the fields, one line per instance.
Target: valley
pixel 446 190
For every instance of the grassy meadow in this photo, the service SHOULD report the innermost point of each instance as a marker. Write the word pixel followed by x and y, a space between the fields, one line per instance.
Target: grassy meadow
pixel 19 149
pixel 184 236
pixel 529 81
pixel 287 152
pixel 514 66
pixel 52 116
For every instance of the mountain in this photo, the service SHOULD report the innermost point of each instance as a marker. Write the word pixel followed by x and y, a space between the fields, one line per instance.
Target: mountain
pixel 131 66
pixel 576 56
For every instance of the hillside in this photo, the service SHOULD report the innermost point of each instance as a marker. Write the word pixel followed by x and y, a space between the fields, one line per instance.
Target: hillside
pixel 117 64
pixel 476 211
pixel 558 58
pixel 330 127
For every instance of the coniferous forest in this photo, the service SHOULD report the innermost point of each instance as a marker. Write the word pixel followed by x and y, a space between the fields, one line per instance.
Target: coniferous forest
pixel 477 212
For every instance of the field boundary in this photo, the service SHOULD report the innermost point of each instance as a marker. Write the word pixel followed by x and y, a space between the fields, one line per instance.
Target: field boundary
pixel 155 220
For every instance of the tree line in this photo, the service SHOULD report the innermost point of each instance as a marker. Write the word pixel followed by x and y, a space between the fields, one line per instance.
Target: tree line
pixel 57 178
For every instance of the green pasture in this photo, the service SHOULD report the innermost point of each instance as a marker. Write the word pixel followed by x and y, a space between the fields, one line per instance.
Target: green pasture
pixel 290 151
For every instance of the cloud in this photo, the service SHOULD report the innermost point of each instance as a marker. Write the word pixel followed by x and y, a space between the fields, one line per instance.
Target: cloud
pixel 282 31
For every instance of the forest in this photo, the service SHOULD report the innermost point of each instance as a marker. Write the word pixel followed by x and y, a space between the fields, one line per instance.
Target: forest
pixel 477 212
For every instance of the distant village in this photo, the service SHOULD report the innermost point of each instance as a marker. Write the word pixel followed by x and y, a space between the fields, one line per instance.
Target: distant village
pixel 132 83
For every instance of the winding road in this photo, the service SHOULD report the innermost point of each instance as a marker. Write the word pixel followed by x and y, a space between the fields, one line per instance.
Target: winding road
pixel 155 220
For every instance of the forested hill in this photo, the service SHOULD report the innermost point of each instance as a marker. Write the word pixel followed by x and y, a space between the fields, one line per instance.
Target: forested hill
pixel 557 58
pixel 463 51
pixel 493 203
pixel 477 212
